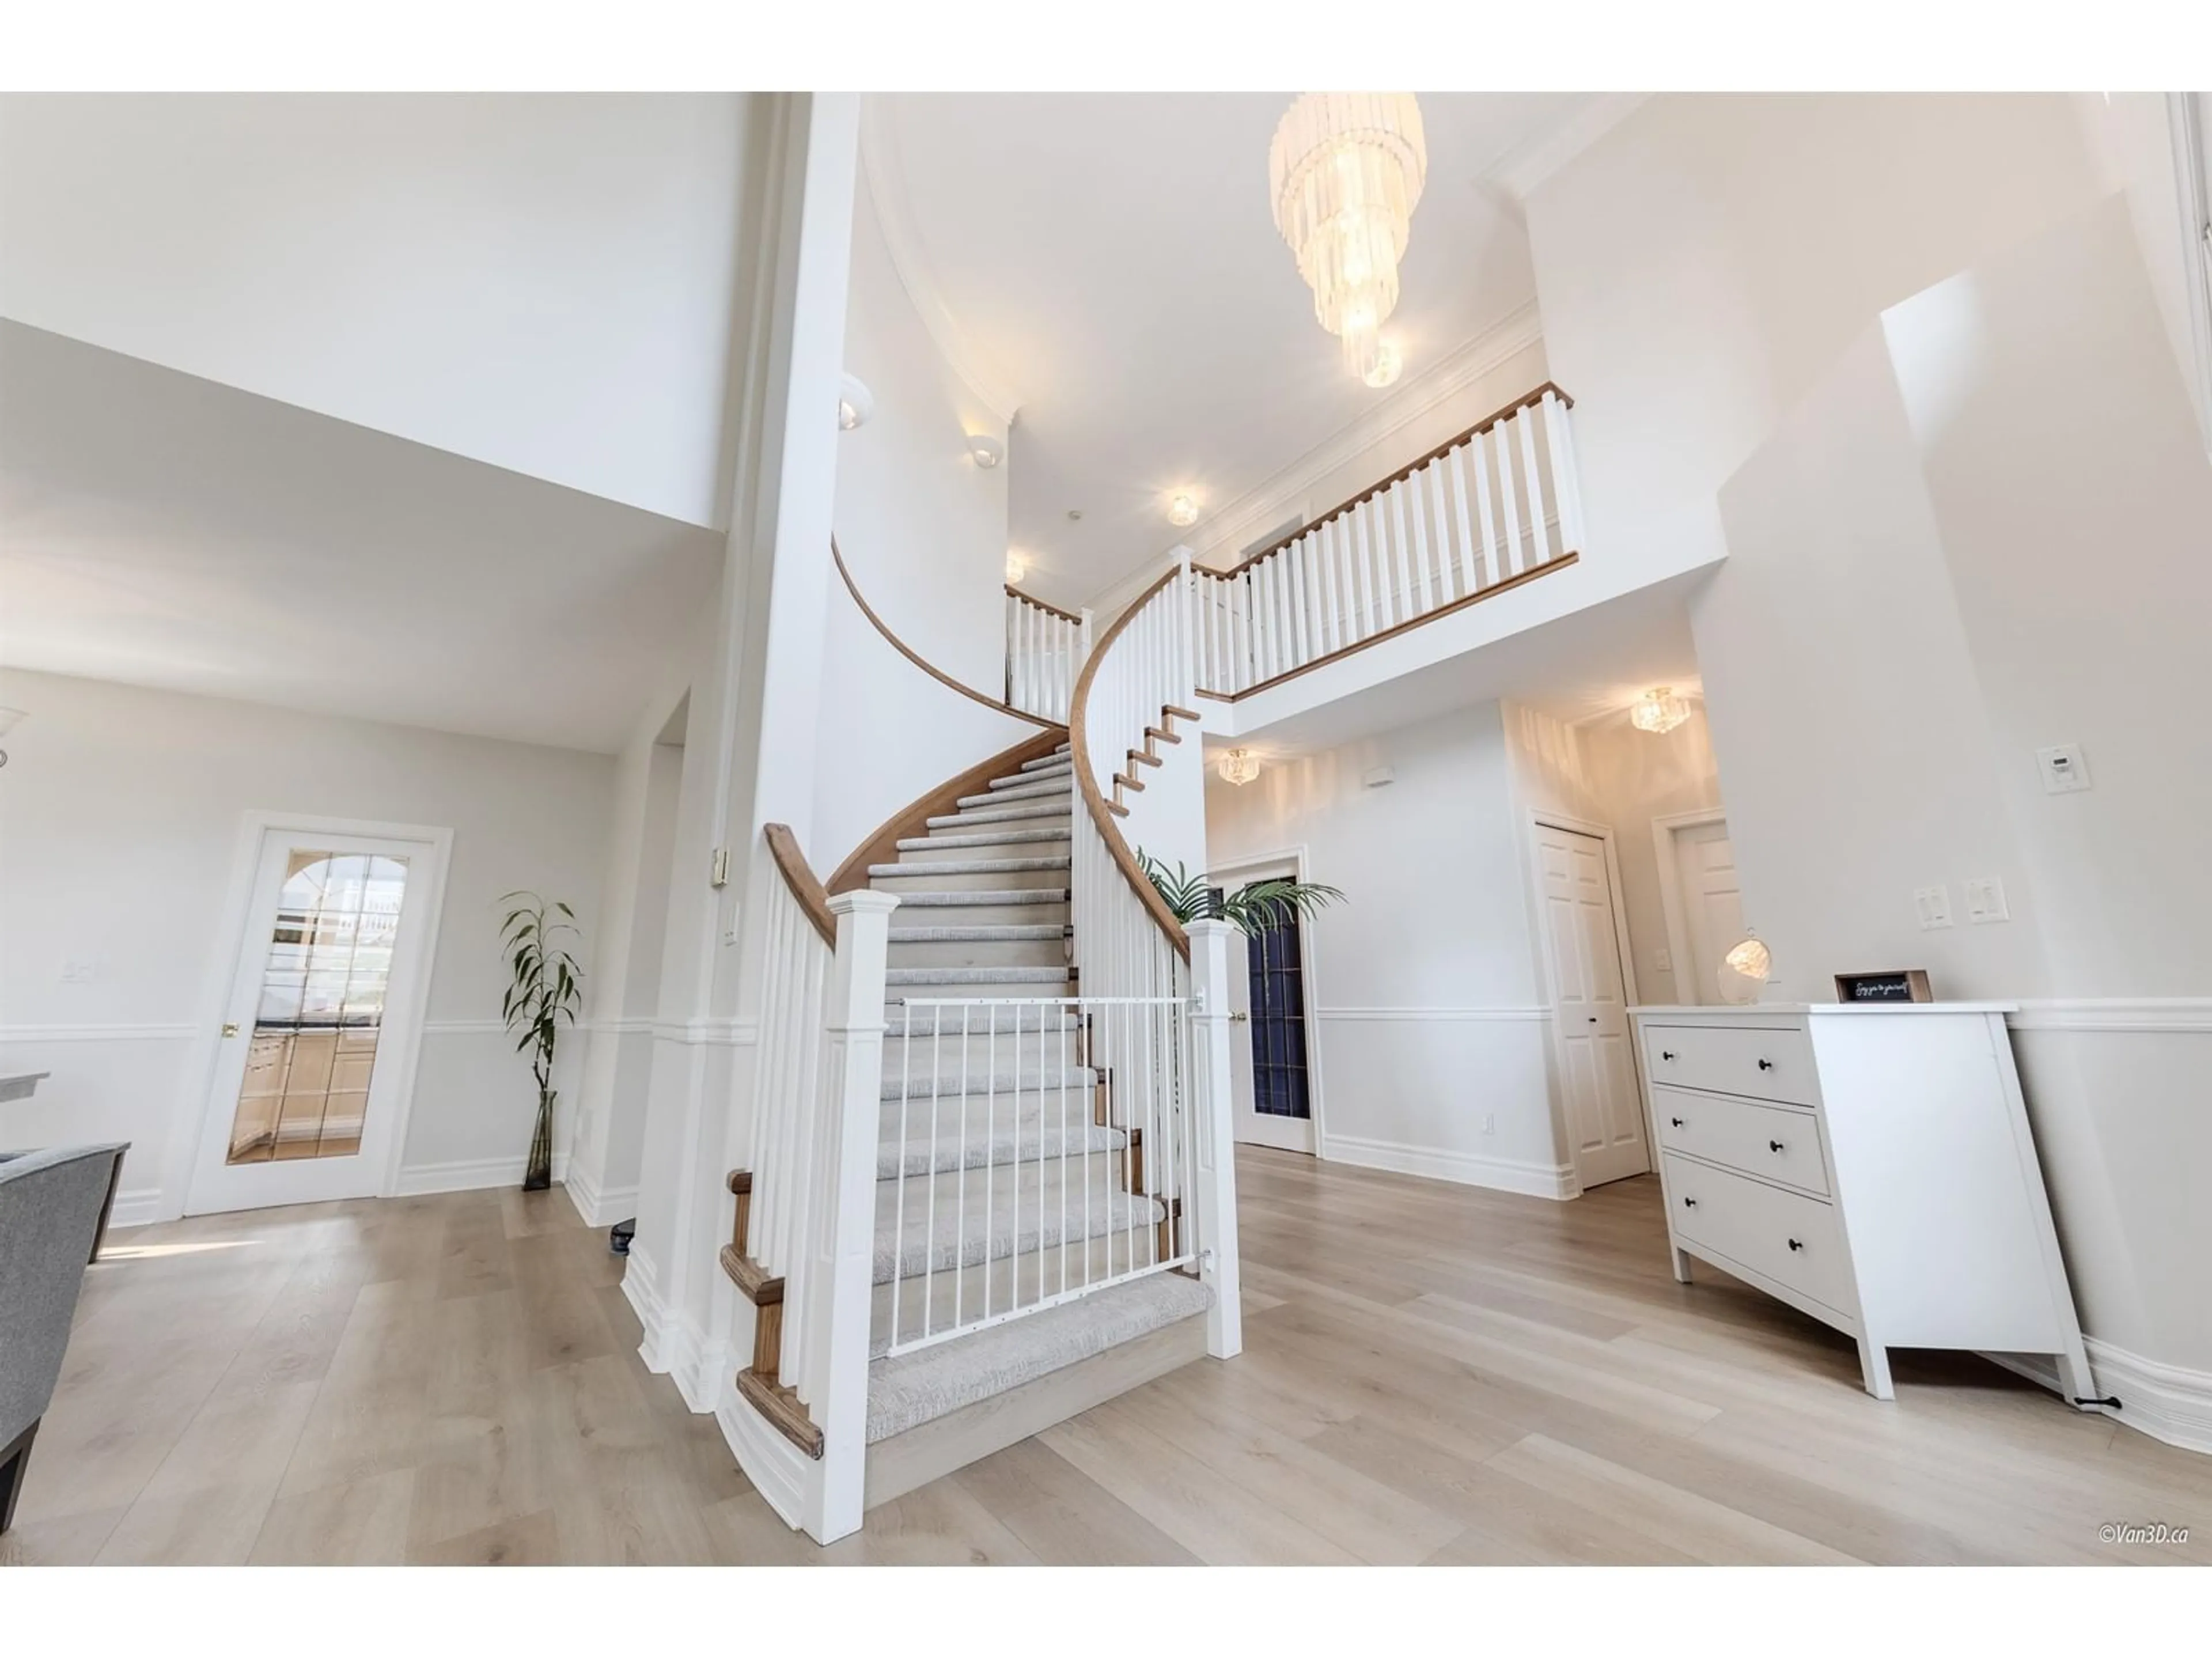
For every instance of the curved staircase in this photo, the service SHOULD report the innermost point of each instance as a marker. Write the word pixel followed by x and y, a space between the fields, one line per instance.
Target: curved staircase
pixel 1007 1181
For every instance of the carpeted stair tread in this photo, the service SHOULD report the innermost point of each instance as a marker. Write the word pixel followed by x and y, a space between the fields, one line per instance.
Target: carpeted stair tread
pixel 976 976
pixel 1020 812
pixel 968 866
pixel 1027 789
pixel 981 897
pixel 913 1389
pixel 1024 1141
pixel 952 933
pixel 989 837
pixel 985 1214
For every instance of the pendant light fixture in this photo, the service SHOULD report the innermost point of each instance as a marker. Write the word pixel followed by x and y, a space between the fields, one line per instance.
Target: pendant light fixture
pixel 1239 767
pixel 1344 173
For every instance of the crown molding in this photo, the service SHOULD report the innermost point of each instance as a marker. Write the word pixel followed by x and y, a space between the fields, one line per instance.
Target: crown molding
pixel 1284 494
pixel 887 191
pixel 1528 165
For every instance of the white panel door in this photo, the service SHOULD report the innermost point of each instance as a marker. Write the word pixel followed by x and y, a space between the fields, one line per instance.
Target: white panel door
pixel 315 1053
pixel 1712 907
pixel 1590 1004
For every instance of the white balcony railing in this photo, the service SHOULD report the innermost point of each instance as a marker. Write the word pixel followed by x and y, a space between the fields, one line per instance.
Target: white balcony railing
pixel 1481 514
pixel 1045 649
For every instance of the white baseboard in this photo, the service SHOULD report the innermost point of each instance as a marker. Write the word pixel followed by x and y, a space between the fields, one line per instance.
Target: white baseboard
pixel 469 1175
pixel 2166 1402
pixel 139 1207
pixel 598 1206
pixel 1438 1163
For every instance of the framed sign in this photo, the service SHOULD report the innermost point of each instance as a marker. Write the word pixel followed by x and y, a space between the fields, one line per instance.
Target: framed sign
pixel 1894 985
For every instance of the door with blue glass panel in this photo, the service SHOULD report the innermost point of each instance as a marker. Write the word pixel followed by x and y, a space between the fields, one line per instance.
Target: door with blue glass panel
pixel 1272 1069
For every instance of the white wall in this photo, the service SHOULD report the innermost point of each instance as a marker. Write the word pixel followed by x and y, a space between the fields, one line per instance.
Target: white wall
pixel 1427 1015
pixel 1705 261
pixel 119 813
pixel 1983 532
pixel 538 281
pixel 923 528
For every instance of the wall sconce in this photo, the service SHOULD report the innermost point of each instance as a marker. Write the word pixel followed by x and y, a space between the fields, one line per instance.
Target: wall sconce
pixel 1016 568
pixel 7 719
pixel 986 452
pixel 1239 767
pixel 1658 710
pixel 855 403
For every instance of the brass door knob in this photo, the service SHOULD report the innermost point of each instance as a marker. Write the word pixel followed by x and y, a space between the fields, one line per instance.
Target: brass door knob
pixel 230 1029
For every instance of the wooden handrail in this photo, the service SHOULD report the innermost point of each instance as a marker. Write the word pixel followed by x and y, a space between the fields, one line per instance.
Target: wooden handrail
pixel 1527 400
pixel 806 886
pixel 1014 592
pixel 928 668
pixel 1094 803
pixel 913 818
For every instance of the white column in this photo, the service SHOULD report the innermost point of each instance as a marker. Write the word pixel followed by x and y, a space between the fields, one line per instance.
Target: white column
pixel 845 1239
pixel 1214 1181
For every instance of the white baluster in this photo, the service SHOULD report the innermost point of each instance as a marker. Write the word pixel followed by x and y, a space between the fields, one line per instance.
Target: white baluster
pixel 1558 431
pixel 1363 562
pixel 1478 458
pixel 1433 477
pixel 1419 523
pixel 1513 564
pixel 1462 531
pixel 1538 551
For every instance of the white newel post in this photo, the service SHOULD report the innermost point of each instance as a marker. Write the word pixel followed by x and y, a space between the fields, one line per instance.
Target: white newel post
pixel 844 1275
pixel 1216 1186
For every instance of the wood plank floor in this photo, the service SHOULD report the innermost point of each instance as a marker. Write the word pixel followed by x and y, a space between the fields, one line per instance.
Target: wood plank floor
pixel 1431 1374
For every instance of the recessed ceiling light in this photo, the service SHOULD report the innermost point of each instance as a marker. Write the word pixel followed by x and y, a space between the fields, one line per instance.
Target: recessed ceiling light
pixel 1182 510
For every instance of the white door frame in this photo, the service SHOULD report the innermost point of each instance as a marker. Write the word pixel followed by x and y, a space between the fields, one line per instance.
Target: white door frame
pixel 1295 857
pixel 1663 830
pixel 1544 817
pixel 255 824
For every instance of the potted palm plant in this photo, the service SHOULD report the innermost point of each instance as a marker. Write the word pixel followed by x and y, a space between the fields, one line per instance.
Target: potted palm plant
pixel 543 989
pixel 1260 907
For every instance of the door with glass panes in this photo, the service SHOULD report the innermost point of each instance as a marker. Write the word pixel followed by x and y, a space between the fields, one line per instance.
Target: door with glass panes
pixel 316 1046
pixel 1270 1050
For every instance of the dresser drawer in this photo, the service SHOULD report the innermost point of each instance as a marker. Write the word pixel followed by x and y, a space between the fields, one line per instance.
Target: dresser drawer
pixel 1763 1062
pixel 1775 1142
pixel 1787 1237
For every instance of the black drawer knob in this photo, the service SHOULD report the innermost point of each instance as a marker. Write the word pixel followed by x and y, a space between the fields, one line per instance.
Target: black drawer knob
pixel 1765 1065
pixel 1676 1122
pixel 1689 1203
pixel 1666 1053
pixel 1796 1243
pixel 1773 1145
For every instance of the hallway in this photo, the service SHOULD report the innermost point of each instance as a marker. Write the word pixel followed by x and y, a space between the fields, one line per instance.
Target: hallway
pixel 1431 1373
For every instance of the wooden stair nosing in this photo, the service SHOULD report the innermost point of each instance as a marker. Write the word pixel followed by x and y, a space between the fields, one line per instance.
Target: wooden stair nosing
pixel 1123 781
pixel 1179 712
pixel 1160 734
pixel 756 1284
pixel 781 1405
pixel 1144 758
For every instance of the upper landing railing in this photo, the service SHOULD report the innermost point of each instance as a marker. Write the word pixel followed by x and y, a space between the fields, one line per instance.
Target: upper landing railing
pixel 1478 515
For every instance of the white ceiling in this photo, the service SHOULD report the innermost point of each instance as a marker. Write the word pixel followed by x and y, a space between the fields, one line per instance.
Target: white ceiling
pixel 1109 262
pixel 167 532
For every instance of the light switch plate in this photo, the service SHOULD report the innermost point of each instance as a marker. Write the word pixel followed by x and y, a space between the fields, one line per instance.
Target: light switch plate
pixel 1985 899
pixel 1932 906
pixel 1662 961
pixel 77 971
pixel 2065 769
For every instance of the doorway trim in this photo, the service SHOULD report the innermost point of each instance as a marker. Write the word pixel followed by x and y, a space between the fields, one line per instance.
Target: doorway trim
pixel 1546 817
pixel 1663 830
pixel 1316 1086
pixel 255 824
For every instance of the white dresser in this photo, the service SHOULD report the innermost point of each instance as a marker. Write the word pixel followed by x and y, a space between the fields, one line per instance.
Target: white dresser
pixel 1870 1165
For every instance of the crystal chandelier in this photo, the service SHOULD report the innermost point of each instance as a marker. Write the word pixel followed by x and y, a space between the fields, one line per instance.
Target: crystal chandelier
pixel 1345 171
pixel 1658 710
pixel 1239 767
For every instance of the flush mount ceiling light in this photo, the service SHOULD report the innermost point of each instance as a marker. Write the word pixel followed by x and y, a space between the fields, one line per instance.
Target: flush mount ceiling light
pixel 1658 710
pixel 1389 365
pixel 1344 173
pixel 1239 767
pixel 1182 510
pixel 1017 566
pixel 855 403
pixel 986 452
